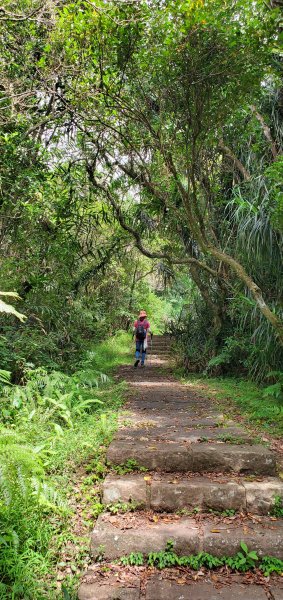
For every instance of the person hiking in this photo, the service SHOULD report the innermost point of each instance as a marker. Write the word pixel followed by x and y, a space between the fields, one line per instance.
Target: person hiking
pixel 141 331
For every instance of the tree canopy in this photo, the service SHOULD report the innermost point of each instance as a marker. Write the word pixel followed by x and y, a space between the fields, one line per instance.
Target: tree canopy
pixel 144 129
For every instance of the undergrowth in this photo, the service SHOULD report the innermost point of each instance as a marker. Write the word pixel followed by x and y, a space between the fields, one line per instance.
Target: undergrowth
pixel 50 427
pixel 263 410
pixel 277 508
pixel 245 560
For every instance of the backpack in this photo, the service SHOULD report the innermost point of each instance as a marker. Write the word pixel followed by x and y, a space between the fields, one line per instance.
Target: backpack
pixel 141 332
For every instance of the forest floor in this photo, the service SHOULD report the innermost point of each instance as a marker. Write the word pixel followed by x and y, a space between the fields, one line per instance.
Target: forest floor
pixel 184 472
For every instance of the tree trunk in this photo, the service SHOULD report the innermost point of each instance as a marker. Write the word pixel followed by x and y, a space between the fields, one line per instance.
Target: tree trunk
pixel 255 290
pixel 214 308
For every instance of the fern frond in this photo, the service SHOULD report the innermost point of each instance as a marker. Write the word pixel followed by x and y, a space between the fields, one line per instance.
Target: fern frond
pixel 18 464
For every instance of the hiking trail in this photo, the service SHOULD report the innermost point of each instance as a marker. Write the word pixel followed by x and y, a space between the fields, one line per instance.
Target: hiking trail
pixel 199 491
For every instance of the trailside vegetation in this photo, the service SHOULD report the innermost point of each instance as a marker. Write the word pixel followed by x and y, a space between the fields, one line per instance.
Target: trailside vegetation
pixel 54 431
pixel 140 167
pixel 241 562
pixel 143 138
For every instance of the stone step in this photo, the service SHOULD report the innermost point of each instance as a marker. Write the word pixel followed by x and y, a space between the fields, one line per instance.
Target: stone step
pixel 156 348
pixel 176 493
pixel 118 535
pixel 161 343
pixel 106 582
pixel 157 352
pixel 202 457
pixel 205 434
pixel 159 346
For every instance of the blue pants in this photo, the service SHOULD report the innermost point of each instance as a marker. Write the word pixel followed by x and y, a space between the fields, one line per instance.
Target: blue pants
pixel 140 351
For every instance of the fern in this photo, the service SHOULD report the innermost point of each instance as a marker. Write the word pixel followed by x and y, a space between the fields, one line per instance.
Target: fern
pixel 5 377
pixel 18 465
pixel 22 475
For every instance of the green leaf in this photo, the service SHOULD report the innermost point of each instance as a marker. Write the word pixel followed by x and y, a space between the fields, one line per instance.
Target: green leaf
pixel 244 547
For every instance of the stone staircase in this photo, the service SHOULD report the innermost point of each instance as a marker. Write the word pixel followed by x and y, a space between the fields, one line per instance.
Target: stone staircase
pixel 199 464
pixel 160 346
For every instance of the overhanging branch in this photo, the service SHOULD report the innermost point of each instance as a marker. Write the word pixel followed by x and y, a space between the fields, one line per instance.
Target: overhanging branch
pixel 137 237
pixel 238 164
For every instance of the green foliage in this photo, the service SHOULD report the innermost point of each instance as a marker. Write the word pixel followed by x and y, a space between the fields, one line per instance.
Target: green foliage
pixel 242 562
pixel 130 466
pixel 228 512
pixel 274 174
pixel 134 559
pixel 122 507
pixel 53 424
pixel 110 353
pixel 8 308
pixel 167 89
pixel 277 509
pixel 5 377
pixel 246 396
pixel 269 565
pixel 275 391
pixel 232 439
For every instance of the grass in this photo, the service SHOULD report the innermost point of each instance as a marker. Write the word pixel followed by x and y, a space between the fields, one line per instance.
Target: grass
pixel 56 431
pixel 242 396
pixel 111 353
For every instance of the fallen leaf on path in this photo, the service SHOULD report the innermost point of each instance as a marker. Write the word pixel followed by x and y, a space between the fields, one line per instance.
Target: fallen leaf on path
pixel 215 531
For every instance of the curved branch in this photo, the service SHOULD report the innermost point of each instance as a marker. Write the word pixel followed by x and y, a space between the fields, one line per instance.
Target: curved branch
pixel 138 241
pixel 7 16
pixel 230 154
pixel 254 289
pixel 266 131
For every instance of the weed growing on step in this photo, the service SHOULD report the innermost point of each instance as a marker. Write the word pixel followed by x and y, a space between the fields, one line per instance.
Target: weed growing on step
pixel 135 559
pixel 122 507
pixel 130 466
pixel 188 512
pixel 237 440
pixel 245 560
pixel 277 509
pixel 228 512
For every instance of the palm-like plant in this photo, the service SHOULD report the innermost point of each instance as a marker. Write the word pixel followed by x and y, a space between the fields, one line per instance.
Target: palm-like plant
pixel 8 308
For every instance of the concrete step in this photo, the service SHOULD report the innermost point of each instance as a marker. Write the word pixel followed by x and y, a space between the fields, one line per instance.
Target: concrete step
pixel 204 434
pixel 173 493
pixel 119 535
pixel 155 352
pixel 197 458
pixel 161 343
pixel 158 349
pixel 107 583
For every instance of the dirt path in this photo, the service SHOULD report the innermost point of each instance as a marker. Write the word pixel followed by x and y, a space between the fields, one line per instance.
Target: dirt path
pixel 207 487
